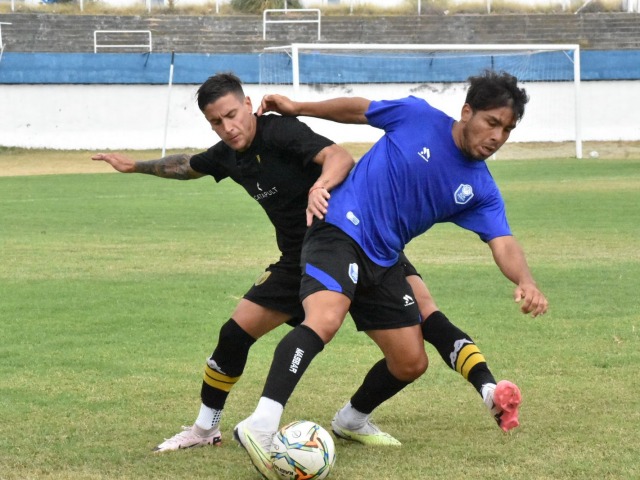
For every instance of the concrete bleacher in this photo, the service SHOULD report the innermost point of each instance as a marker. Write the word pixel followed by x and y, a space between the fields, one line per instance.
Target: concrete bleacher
pixel 40 32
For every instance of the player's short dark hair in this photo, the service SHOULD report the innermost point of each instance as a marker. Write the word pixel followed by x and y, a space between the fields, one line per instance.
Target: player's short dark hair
pixel 218 86
pixel 494 89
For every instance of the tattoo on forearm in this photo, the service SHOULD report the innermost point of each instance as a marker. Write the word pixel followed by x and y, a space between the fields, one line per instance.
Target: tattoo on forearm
pixel 172 166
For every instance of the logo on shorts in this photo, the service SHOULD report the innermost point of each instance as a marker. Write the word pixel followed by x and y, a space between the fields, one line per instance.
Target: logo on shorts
pixel 408 300
pixel 352 218
pixel 463 194
pixel 353 272
pixel 262 278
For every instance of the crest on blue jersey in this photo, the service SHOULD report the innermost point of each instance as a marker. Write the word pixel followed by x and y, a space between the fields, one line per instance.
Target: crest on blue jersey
pixel 463 194
pixel 353 272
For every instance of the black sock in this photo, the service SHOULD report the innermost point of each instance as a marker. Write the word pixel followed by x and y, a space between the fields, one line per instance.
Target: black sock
pixel 457 350
pixel 291 358
pixel 378 386
pixel 226 364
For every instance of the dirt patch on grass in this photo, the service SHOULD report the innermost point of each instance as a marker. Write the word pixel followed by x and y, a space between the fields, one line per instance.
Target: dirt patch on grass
pixel 22 161
pixel 43 166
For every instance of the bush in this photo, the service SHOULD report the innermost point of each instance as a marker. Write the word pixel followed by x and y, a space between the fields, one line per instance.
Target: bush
pixel 257 6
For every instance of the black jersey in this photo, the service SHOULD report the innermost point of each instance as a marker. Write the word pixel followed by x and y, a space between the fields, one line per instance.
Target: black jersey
pixel 277 170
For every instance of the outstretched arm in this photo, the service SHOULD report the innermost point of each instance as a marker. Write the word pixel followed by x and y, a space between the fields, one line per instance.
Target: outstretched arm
pixel 336 164
pixel 343 109
pixel 172 166
pixel 509 257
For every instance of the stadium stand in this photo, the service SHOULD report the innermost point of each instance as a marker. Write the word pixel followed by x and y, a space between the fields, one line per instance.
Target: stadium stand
pixel 40 32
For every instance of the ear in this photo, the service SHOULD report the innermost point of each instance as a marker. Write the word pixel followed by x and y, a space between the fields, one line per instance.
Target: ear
pixel 467 113
pixel 247 102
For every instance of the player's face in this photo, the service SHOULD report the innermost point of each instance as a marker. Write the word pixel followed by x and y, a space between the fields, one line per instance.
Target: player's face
pixel 485 131
pixel 233 120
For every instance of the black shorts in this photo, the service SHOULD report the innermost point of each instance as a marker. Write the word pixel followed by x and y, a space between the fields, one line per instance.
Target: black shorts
pixel 381 298
pixel 407 266
pixel 278 288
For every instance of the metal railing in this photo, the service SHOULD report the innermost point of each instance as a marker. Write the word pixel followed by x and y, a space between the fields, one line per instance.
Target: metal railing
pixel 295 19
pixel 123 34
pixel 1 43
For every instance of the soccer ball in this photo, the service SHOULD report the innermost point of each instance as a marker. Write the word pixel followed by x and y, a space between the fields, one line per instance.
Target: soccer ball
pixel 303 450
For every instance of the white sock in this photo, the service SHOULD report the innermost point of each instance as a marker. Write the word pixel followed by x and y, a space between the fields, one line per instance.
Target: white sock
pixel 351 418
pixel 487 397
pixel 267 414
pixel 208 418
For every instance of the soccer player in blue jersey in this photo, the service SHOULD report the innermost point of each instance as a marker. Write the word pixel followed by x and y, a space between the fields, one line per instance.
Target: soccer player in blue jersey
pixel 277 160
pixel 427 168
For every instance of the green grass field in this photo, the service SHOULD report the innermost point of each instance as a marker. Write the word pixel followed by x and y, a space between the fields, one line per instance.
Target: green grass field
pixel 113 288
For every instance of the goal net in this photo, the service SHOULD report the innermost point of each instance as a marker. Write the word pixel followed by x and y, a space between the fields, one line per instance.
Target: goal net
pixel 550 74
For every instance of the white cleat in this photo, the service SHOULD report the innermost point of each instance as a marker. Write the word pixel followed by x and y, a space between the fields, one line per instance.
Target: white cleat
pixel 258 446
pixel 190 437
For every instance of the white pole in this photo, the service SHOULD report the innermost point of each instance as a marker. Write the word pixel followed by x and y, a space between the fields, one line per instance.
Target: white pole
pixel 295 67
pixel 577 80
pixel 166 121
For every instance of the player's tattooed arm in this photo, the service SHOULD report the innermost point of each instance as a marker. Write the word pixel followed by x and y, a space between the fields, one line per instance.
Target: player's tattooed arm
pixel 172 166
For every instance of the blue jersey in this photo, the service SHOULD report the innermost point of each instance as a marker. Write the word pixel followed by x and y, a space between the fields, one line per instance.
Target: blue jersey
pixel 412 178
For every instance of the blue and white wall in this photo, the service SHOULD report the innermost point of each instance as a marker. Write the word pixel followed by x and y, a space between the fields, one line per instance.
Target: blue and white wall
pixel 120 101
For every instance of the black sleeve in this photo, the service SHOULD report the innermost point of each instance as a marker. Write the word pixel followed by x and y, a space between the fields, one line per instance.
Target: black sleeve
pixel 212 161
pixel 295 138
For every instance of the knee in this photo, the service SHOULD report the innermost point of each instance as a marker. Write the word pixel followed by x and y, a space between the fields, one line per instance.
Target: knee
pixel 411 369
pixel 420 367
pixel 324 313
pixel 325 326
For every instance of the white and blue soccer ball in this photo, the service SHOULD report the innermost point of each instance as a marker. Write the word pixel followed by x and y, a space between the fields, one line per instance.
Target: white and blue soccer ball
pixel 303 450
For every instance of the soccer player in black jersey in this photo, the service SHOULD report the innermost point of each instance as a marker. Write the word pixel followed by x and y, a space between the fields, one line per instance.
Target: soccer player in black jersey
pixel 289 170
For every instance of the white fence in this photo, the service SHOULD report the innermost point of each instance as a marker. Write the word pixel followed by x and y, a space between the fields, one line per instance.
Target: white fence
pixel 122 39
pixel 298 15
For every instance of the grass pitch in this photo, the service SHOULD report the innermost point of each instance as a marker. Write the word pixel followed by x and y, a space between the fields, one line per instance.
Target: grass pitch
pixel 113 288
